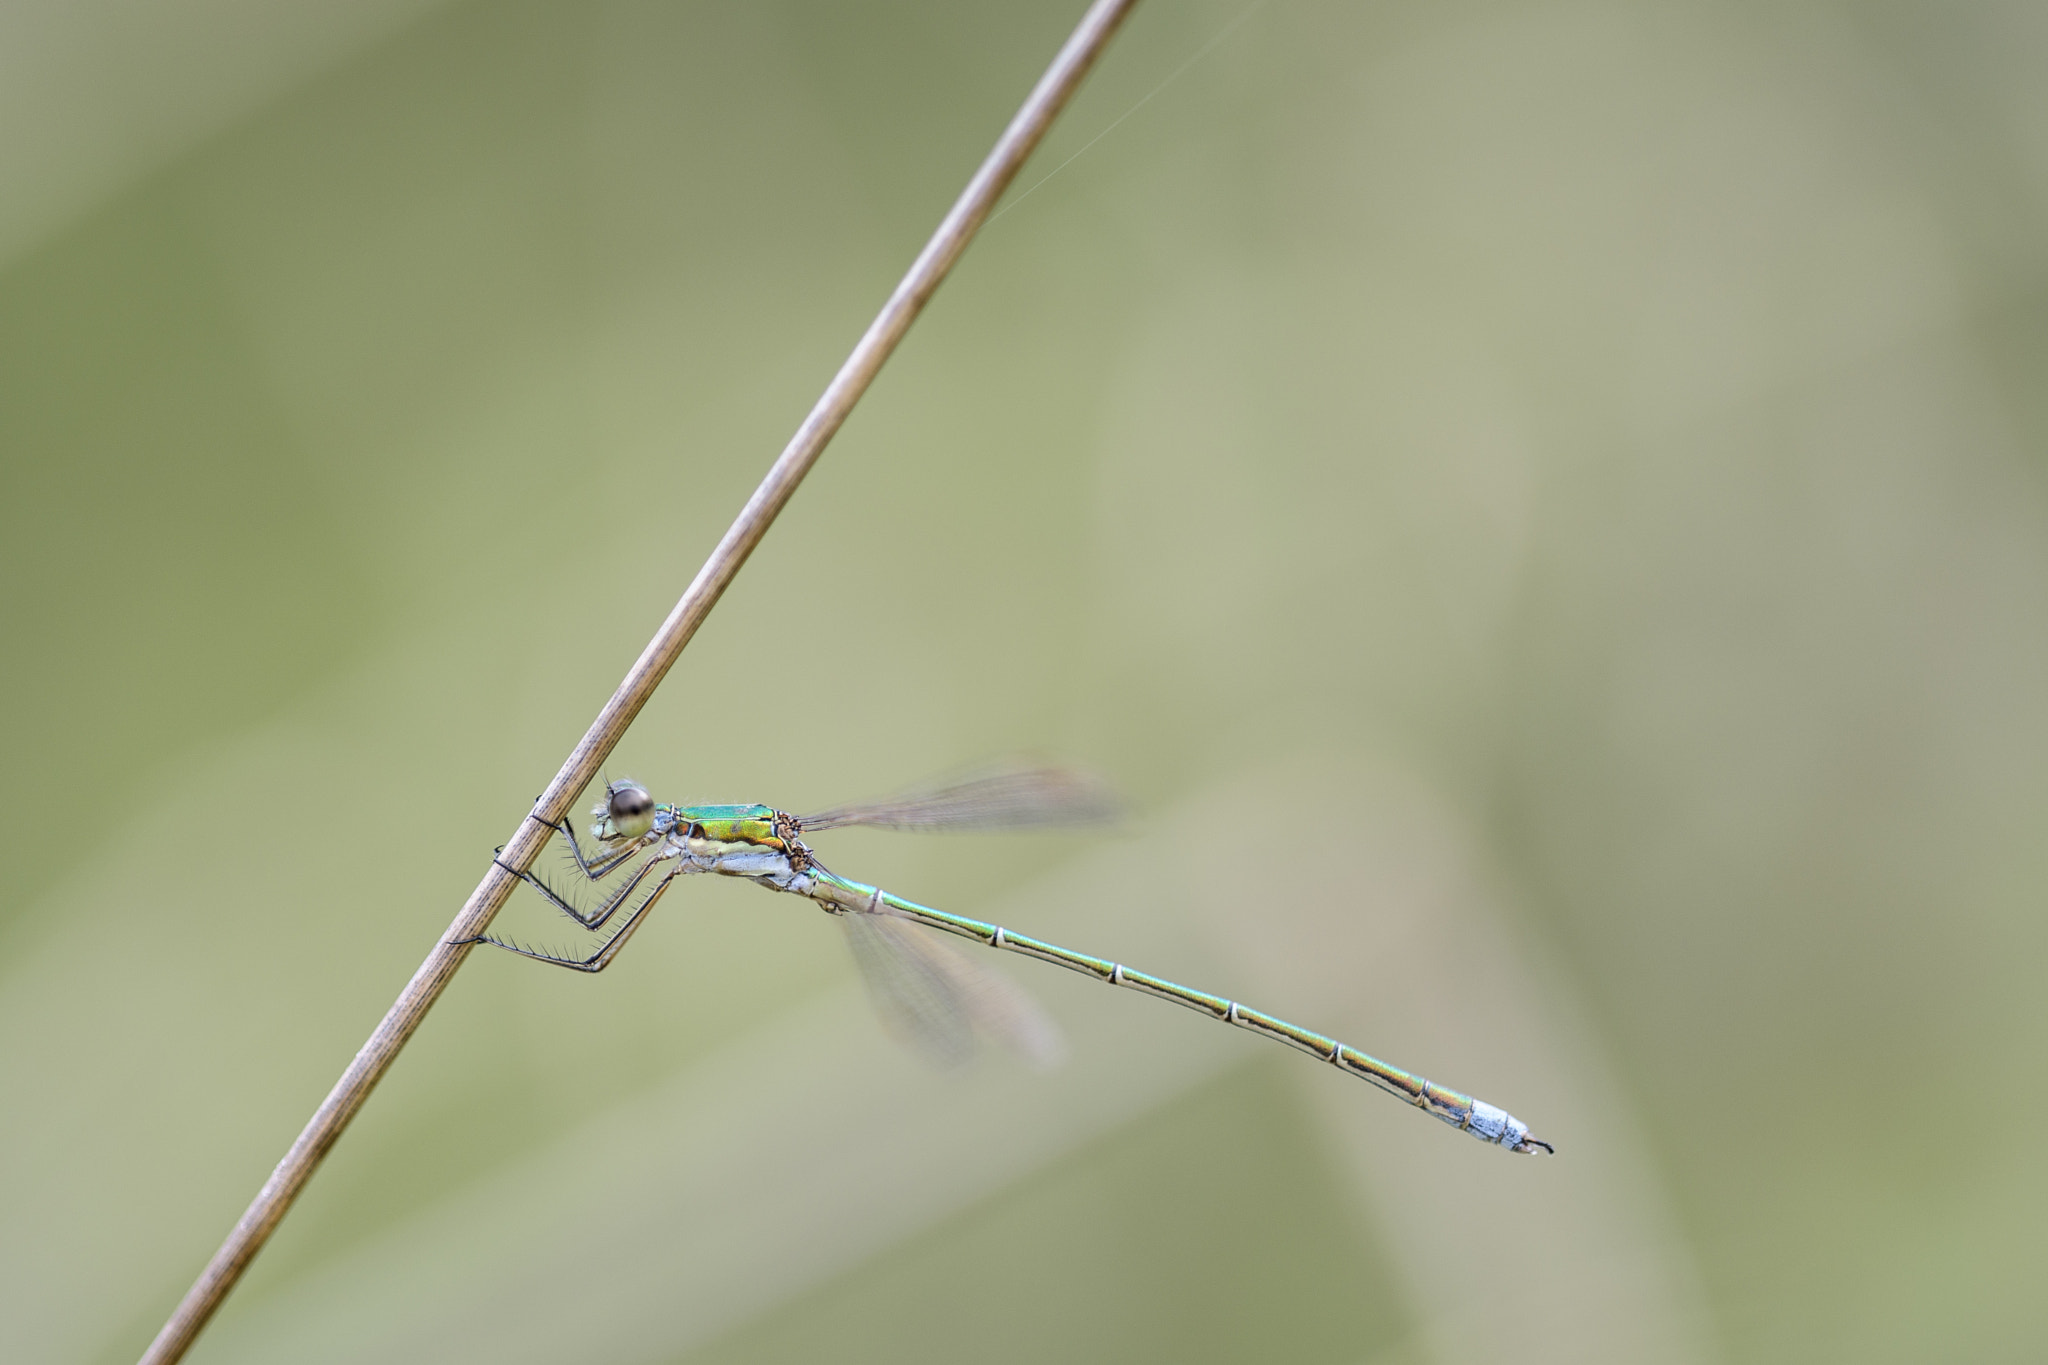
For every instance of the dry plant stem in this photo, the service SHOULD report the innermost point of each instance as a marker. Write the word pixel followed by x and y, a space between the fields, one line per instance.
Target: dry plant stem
pixel 1023 134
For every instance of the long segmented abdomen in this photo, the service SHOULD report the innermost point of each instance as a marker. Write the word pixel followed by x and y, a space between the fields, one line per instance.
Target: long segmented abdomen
pixel 1482 1120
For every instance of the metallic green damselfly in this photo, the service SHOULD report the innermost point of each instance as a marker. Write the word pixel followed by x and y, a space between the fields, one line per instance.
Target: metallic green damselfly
pixel 933 997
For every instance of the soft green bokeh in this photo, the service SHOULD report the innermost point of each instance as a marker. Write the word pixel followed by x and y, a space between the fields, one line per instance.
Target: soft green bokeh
pixel 1593 453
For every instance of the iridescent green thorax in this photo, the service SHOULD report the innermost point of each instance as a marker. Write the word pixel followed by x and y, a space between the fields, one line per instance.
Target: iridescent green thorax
pixel 761 827
pixel 730 824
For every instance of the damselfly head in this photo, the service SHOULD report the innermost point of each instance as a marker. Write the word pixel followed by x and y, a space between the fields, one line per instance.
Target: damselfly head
pixel 627 812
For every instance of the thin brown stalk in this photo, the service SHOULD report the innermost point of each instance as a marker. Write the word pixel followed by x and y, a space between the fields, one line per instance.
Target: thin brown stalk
pixel 1046 100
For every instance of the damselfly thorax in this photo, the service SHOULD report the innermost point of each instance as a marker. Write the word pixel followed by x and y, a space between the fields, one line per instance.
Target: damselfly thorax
pixel 753 841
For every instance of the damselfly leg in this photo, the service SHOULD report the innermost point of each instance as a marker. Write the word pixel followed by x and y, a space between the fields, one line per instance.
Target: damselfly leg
pixel 595 919
pixel 604 862
pixel 602 958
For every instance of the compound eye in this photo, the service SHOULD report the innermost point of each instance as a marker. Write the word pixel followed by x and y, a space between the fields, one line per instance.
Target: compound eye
pixel 629 801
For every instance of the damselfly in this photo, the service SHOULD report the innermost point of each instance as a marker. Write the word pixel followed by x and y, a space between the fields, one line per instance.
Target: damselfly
pixel 927 993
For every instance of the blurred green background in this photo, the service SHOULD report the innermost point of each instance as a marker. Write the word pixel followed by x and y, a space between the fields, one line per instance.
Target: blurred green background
pixel 1540 506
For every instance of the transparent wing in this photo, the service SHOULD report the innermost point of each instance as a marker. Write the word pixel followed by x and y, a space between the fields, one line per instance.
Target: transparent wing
pixel 1014 795
pixel 932 998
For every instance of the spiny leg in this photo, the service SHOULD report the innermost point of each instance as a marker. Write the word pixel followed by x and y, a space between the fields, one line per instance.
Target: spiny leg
pixel 596 918
pixel 602 958
pixel 605 862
